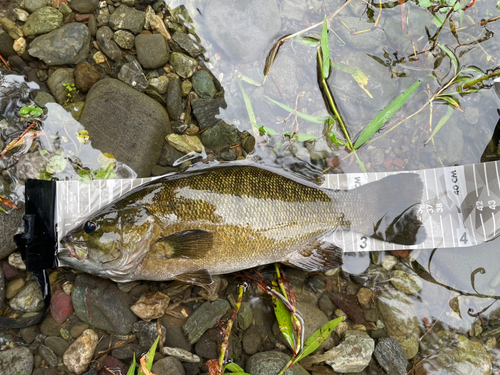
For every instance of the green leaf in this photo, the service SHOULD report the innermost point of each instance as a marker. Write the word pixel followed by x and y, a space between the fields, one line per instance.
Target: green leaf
pixel 284 318
pixel 384 115
pixel 248 103
pixel 317 338
pixel 150 356
pixel 25 111
pixel 451 55
pixel 450 99
pixel 235 369
pixel 43 152
pixel 131 369
pixel 36 112
pixel 307 41
pixel 105 173
pixel 305 137
pixel 2 209
pixel 264 129
pixel 57 163
pixel 325 50
pixel 441 122
pixel 498 5
pixel 85 175
pixel 315 119
pixel 425 3
pixel 439 20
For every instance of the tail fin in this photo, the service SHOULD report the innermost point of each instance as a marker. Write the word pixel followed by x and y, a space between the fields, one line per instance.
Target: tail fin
pixel 389 209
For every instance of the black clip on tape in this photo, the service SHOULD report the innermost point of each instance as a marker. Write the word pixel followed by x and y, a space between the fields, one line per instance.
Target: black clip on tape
pixel 38 243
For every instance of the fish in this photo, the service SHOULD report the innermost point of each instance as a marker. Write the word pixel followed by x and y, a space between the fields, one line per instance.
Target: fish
pixel 224 219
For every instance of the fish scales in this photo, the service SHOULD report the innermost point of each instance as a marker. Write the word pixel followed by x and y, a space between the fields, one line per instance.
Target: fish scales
pixel 226 219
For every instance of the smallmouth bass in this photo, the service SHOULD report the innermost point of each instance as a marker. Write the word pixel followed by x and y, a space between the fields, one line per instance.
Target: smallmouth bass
pixel 229 218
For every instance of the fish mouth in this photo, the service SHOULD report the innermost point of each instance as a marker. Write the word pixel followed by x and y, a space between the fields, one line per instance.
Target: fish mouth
pixel 75 250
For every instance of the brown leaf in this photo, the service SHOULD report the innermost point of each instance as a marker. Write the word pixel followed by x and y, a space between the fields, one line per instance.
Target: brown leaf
pixel 349 304
pixel 144 370
pixel 213 367
pixel 8 203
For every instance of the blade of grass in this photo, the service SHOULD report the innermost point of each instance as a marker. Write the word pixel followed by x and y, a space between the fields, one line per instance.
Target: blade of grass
pixel 300 137
pixel 264 129
pixel 356 73
pixel 131 369
pixel 441 122
pixel 150 356
pixel 325 50
pixel 234 368
pixel 317 338
pixel 315 119
pixel 284 318
pixel 248 105
pixel 451 55
pixel 384 115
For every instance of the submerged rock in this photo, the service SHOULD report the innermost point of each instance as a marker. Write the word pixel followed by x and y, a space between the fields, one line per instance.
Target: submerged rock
pixel 67 45
pixel 353 354
pixel 206 111
pixel 220 136
pixel 17 361
pixel 405 282
pixel 124 134
pixel 244 29
pixel 183 65
pixel 203 84
pixel 390 356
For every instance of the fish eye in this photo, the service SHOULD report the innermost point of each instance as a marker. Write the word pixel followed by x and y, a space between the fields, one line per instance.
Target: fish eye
pixel 89 227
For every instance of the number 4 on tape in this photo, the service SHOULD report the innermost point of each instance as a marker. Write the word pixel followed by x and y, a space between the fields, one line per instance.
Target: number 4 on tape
pixel 463 237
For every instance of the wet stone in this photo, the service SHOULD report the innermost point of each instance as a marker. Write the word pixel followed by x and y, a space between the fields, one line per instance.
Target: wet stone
pixel 186 87
pixel 60 306
pixel 124 39
pixel 174 98
pixel 169 155
pixel 12 28
pixel 126 18
pixel 364 296
pixel 192 47
pixel 43 21
pixel 29 299
pixel 271 363
pixel 69 44
pixel 152 50
pixel 245 316
pixel 204 318
pixel 78 329
pixel 78 356
pixel 168 366
pixel 50 327
pixel 406 282
pixel 33 5
pixel 106 43
pixel 179 127
pixel 86 76
pixel 207 347
pixel 203 84
pixel 244 29
pixel 206 110
pixel 48 355
pixel 181 354
pixel 127 352
pixel 84 6
pixel 17 361
pixel 252 339
pixel 219 136
pixel 147 333
pixel 56 83
pixel 391 356
pixel 57 345
pixel 353 354
pixel 29 333
pixel 389 262
pixel 101 304
pixel 183 65
pixel 6 43
pixel 185 143
pixel 132 74
pixel 65 9
pixel 159 84
pixel 13 287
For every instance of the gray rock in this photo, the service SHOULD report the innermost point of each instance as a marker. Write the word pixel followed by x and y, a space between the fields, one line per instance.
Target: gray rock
pixel 203 84
pixel 152 50
pixel 42 21
pixel 146 123
pixel 353 354
pixel 106 43
pixel 126 18
pixel 50 327
pixel 183 65
pixel 65 9
pixel 6 43
pixel 363 41
pixel 127 352
pixel 17 361
pixel 159 84
pixel 8 228
pixel 56 81
pixel 206 110
pixel 293 9
pixel 219 136
pixel 390 356
pixel 101 304
pixel 206 347
pixel 67 45
pixel 29 299
pixel 48 355
pixel 92 25
pixel 132 74
pixel 57 345
pixel 44 371
pixel 245 316
pixel 399 316
pixel 271 363
pixel 204 318
pixel 86 76
pixel 454 139
pixel 168 366
pixel 29 333
pixel 147 333
pixel 169 155
pixel 252 339
pixel 188 43
pixel 12 28
pixel 124 39
pixel 244 29
pixel 79 354
pixel 33 5
pixel 84 6
pixel 174 98
pixel 405 282
pixel 175 337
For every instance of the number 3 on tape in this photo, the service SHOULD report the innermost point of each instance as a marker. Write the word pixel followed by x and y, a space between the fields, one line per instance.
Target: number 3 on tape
pixel 363 243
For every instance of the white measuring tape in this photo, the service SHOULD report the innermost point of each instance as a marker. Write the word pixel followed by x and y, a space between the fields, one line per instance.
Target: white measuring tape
pixel 460 205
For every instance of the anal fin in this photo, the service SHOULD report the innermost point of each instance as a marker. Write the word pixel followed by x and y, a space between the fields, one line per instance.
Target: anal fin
pixel 201 277
pixel 324 257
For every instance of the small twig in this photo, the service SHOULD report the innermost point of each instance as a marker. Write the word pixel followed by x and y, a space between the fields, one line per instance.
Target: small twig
pixel 5 63
pixel 17 139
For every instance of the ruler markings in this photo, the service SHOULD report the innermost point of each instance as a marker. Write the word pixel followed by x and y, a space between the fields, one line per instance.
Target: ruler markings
pixel 475 182
pixel 486 180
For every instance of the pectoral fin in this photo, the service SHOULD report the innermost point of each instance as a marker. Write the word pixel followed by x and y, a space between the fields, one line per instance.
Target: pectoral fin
pixel 321 258
pixel 191 244
pixel 201 277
